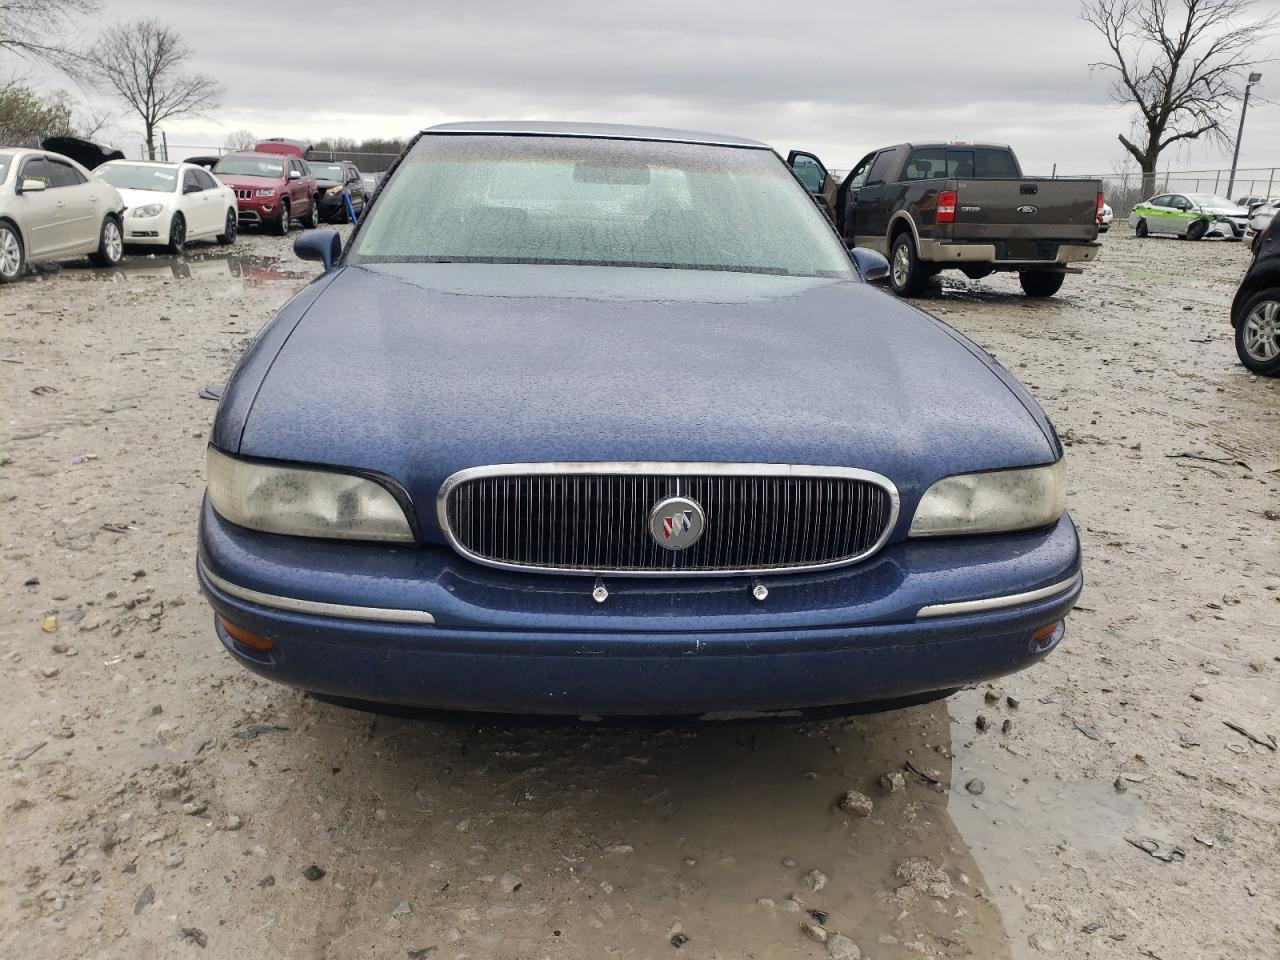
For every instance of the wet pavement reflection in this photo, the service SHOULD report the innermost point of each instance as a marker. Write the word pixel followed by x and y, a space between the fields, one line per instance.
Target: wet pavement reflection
pixel 198 265
pixel 722 840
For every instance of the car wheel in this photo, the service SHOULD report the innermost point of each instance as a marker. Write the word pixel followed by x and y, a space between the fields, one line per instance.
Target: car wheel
pixel 177 234
pixel 12 260
pixel 1197 230
pixel 282 225
pixel 1141 229
pixel 1258 334
pixel 1041 283
pixel 312 219
pixel 228 235
pixel 907 273
pixel 110 245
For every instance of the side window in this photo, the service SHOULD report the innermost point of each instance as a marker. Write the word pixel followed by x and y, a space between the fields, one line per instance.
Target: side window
pixel 858 175
pixel 36 169
pixel 1180 203
pixel 880 168
pixel 190 182
pixel 303 168
pixel 809 171
pixel 63 174
pixel 206 182
pixel 926 163
pixel 994 165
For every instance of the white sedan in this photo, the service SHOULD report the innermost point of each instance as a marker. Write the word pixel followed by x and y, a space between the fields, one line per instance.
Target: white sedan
pixel 51 208
pixel 1104 218
pixel 168 204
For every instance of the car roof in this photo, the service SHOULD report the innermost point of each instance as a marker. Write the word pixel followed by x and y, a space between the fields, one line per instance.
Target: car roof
pixel 600 131
pixel 259 153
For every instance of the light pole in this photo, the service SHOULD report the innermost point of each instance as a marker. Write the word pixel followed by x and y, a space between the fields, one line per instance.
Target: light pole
pixel 1253 78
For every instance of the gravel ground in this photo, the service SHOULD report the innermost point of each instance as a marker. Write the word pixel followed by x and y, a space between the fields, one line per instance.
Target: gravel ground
pixel 157 801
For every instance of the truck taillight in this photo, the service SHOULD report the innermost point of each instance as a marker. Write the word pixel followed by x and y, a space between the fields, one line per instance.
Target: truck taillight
pixel 1097 216
pixel 947 206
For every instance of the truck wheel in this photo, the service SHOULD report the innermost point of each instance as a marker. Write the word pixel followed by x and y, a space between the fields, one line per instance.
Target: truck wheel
pixel 281 227
pixel 1141 229
pixel 1041 283
pixel 1197 230
pixel 908 274
pixel 1258 335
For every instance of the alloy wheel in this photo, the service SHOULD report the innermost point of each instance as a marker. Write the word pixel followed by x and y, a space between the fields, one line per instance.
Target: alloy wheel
pixel 10 254
pixel 112 242
pixel 901 265
pixel 1262 331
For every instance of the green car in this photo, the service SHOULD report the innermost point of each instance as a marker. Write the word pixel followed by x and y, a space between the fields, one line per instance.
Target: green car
pixel 1190 215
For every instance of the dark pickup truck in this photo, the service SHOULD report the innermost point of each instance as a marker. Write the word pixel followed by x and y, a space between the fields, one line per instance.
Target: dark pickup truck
pixel 931 206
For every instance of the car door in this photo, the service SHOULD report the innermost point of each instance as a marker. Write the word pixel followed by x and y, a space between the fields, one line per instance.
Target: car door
pixel 1183 214
pixel 196 204
pixel 40 215
pixel 1160 214
pixel 214 201
pixel 847 197
pixel 354 185
pixel 77 198
pixel 872 207
pixel 813 173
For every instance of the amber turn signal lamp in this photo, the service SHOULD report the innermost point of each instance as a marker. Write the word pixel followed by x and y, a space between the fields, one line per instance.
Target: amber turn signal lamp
pixel 242 636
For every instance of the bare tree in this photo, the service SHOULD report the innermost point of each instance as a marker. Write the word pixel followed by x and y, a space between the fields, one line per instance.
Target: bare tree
pixel 1179 62
pixel 32 30
pixel 240 140
pixel 142 62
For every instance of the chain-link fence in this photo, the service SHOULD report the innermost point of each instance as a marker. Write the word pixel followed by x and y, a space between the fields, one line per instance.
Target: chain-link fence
pixel 367 162
pixel 1124 190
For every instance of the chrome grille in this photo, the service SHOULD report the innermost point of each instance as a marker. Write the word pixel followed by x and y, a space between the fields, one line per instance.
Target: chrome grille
pixel 594 517
pixel 243 194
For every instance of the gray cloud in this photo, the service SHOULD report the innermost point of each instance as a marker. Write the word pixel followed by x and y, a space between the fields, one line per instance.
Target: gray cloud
pixel 837 77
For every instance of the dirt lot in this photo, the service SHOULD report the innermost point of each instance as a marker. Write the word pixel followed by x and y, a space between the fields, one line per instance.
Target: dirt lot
pixel 158 801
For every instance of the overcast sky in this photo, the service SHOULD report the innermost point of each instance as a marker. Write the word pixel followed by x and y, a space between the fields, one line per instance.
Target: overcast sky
pixel 839 78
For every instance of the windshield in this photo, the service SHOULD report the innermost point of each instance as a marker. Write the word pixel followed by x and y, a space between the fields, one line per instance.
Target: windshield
pixel 251 167
pixel 1209 200
pixel 5 160
pixel 326 171
pixel 129 176
pixel 578 200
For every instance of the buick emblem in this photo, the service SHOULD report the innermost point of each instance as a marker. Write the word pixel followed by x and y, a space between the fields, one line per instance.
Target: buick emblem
pixel 1028 209
pixel 676 523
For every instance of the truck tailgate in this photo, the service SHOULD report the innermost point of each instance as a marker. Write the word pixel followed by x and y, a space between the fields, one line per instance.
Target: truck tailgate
pixel 1026 209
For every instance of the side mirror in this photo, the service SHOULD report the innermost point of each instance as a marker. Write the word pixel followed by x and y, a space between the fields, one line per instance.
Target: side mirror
pixel 326 246
pixel 294 175
pixel 32 186
pixel 871 265
pixel 192 188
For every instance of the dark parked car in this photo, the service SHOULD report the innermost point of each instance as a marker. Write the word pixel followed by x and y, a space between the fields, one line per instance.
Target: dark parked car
pixel 964 206
pixel 1255 311
pixel 594 419
pixel 271 189
pixel 333 179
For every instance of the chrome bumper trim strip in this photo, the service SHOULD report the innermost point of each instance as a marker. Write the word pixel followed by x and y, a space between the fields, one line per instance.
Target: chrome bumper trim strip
pixel 381 614
pixel 996 603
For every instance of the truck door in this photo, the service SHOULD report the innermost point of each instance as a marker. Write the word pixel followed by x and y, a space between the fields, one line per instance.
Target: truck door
pixel 812 172
pixel 872 207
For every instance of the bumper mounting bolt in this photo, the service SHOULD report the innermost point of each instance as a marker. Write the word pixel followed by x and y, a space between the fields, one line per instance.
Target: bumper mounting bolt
pixel 759 591
pixel 599 594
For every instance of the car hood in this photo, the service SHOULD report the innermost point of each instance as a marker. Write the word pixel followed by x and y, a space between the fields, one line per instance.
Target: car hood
pixel 141 198
pixel 416 371
pixel 240 180
pixel 1226 211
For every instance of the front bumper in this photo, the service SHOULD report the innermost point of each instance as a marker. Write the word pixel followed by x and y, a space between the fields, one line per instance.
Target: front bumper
pixel 420 626
pixel 147 230
pixel 254 210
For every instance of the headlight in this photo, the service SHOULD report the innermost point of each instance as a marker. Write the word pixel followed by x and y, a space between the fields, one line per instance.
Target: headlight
pixel 264 192
pixel 304 502
pixel 995 502
pixel 150 210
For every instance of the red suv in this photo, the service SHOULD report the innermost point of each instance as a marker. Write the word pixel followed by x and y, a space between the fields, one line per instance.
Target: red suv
pixel 271 189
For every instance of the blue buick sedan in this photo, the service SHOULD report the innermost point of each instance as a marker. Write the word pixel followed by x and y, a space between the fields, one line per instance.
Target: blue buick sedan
pixel 603 420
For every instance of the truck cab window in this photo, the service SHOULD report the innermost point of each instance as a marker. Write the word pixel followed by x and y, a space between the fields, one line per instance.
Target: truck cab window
pixel 880 169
